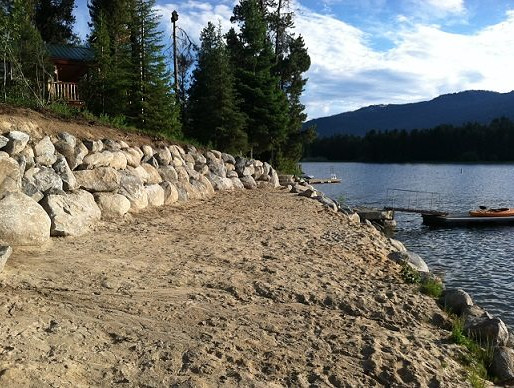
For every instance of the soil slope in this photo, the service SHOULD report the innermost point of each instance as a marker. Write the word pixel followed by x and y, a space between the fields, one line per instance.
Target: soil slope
pixel 249 288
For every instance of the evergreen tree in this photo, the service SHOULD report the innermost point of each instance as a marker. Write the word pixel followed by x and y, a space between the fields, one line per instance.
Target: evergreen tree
pixel 263 101
pixel 24 59
pixel 54 20
pixel 108 86
pixel 214 115
pixel 152 103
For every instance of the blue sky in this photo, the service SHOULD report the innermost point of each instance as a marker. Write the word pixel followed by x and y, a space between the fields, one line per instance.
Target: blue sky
pixel 367 52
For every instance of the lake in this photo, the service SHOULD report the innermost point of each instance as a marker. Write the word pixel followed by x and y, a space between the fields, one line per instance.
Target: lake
pixel 479 260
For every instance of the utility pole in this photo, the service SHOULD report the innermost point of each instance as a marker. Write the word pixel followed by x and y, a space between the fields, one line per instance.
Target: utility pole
pixel 174 18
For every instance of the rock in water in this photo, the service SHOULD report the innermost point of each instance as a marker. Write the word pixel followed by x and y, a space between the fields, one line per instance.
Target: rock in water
pixel 502 365
pixel 456 300
pixel 5 253
pixel 23 221
pixel 71 214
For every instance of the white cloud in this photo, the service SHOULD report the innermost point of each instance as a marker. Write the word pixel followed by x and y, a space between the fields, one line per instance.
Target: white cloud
pixel 347 73
pixel 451 6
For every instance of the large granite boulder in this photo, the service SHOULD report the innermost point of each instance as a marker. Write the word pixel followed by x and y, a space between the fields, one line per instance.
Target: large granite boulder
pixel 71 214
pixel 487 330
pixel 23 221
pixel 219 183
pixel 93 146
pixel 62 169
pixel 170 192
pixel 44 179
pixel 131 186
pixel 97 159
pixel 248 182
pixel 168 173
pixel 72 149
pixel 119 160
pixel 412 259
pixel 155 195
pixel 502 365
pixel 153 176
pixel 99 179
pixel 112 205
pixel 163 156
pixel 44 147
pixel 5 253
pixel 10 175
pixel 456 300
pixel 133 156
pixel 17 142
pixel 3 141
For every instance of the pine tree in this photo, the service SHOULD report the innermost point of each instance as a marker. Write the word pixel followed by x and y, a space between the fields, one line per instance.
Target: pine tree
pixel 152 102
pixel 108 86
pixel 214 115
pixel 54 20
pixel 264 102
pixel 24 59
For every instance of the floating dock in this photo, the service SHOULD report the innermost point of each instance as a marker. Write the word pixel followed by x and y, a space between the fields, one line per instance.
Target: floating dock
pixel 321 181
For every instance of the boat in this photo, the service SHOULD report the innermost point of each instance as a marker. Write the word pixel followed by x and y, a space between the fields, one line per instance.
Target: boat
pixel 483 216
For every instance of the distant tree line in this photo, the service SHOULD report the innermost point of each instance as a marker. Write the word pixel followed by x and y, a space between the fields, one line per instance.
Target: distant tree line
pixel 471 142
pixel 243 95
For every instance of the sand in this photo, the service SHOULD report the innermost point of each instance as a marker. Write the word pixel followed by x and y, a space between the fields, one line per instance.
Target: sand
pixel 254 288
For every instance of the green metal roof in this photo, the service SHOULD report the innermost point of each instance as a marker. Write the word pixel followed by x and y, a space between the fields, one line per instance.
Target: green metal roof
pixel 73 53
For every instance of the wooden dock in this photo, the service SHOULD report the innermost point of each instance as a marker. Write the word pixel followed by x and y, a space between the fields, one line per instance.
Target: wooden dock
pixel 321 181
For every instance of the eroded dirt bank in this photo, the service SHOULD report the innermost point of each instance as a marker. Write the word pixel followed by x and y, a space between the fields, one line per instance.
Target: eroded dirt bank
pixel 250 288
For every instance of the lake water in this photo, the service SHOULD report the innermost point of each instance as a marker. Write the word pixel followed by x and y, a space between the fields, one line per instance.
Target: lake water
pixel 479 260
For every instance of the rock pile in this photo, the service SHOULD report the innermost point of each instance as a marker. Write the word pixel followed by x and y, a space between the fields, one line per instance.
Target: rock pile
pixel 62 185
pixel 489 331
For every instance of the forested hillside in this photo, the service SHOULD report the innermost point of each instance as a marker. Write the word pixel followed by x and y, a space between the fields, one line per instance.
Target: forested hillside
pixel 239 91
pixel 471 142
pixel 451 109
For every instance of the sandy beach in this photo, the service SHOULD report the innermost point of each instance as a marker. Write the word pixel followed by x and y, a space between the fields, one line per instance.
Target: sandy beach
pixel 248 288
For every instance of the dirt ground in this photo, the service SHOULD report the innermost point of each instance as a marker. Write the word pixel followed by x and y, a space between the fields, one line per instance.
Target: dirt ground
pixel 250 288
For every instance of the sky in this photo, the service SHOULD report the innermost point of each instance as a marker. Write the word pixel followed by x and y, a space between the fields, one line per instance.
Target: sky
pixel 371 52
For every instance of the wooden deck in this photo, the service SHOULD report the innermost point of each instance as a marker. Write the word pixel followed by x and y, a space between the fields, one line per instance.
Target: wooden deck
pixel 320 181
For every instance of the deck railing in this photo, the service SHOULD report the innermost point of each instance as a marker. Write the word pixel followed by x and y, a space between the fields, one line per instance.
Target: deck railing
pixel 65 91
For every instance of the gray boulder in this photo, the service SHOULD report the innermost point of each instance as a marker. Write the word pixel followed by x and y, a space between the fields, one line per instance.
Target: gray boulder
pixel 46 160
pixel 163 156
pixel 274 178
pixel 43 178
pixel 227 158
pixel 236 182
pixel 207 184
pixel 147 151
pixel 99 179
pixel 5 253
pixel 17 142
pixel 3 141
pixel 168 173
pixel 133 156
pixel 183 176
pixel 502 365
pixel 97 159
pixel 44 147
pixel 71 214
pixel 72 149
pixel 119 160
pixel 112 205
pixel 201 168
pixel 23 221
pixel 487 330
pixel 10 175
pixel 327 202
pixel 248 182
pixel 62 169
pixel 131 186
pixel 413 259
pixel 111 145
pixel 94 146
pixel 155 195
pixel 456 300
pixel 153 176
pixel 232 174
pixel 219 183
pixel 170 192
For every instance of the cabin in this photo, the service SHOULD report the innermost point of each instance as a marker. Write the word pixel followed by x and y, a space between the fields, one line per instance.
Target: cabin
pixel 71 64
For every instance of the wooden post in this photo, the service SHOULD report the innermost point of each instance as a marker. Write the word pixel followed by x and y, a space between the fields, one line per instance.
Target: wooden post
pixel 174 18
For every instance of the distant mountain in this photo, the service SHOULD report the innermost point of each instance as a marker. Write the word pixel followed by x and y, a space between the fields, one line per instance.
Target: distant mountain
pixel 456 109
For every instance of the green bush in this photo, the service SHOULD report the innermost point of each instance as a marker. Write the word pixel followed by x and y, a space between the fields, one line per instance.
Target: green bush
pixel 431 287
